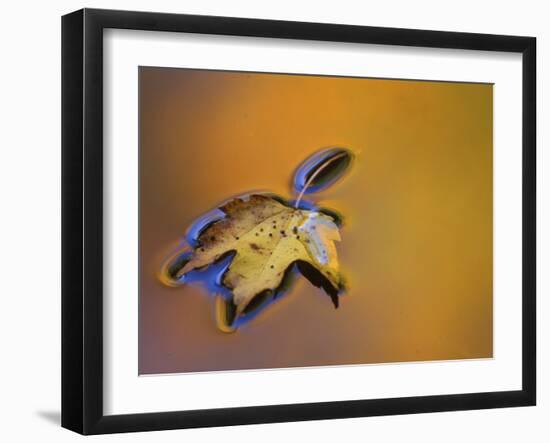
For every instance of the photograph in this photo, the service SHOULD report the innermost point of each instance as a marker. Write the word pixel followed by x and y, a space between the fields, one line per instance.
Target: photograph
pixel 290 220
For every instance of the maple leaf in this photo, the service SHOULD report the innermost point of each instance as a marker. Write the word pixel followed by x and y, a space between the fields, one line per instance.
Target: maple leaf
pixel 260 239
pixel 266 239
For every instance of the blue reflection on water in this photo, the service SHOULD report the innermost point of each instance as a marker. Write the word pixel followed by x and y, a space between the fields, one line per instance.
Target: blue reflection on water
pixel 200 224
pixel 304 204
pixel 307 168
pixel 211 276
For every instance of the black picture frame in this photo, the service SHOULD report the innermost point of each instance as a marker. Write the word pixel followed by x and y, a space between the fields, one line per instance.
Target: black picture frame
pixel 82 220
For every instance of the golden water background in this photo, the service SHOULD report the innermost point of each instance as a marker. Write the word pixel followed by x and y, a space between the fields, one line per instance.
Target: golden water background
pixel 417 239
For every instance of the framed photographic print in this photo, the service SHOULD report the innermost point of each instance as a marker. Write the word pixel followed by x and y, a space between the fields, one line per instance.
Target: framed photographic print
pixel 270 221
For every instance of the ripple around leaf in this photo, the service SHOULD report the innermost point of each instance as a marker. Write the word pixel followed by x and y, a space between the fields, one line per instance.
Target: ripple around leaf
pixel 321 170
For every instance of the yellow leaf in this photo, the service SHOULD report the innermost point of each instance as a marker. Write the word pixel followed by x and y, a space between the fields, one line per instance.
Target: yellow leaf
pixel 267 238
